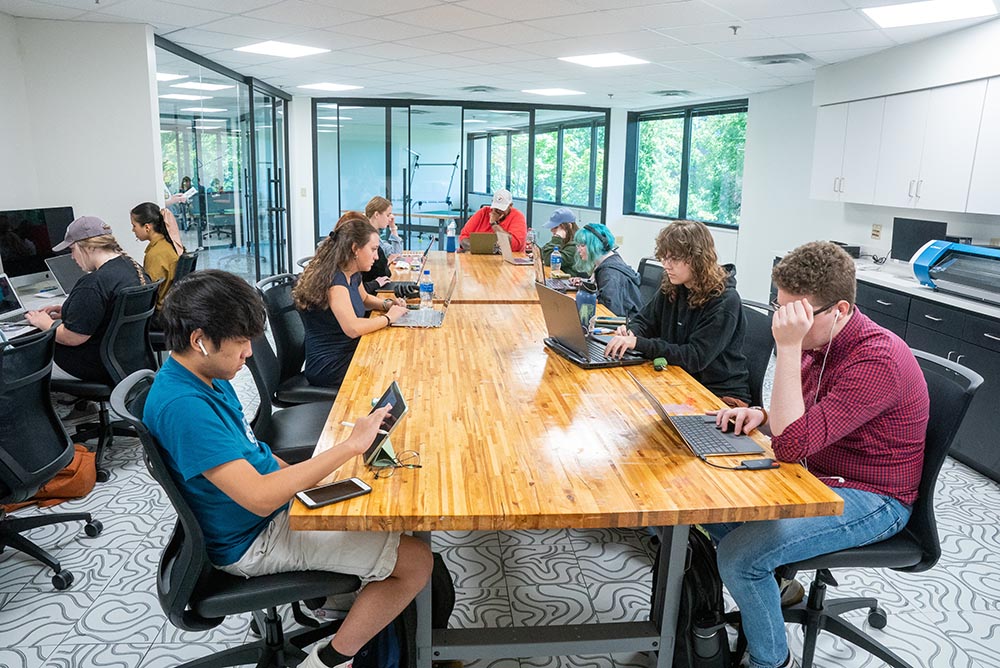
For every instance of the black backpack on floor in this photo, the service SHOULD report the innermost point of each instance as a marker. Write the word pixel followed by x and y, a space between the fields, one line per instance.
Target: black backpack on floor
pixel 702 641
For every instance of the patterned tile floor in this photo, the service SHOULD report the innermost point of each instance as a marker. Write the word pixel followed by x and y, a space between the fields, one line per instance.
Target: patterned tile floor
pixel 110 617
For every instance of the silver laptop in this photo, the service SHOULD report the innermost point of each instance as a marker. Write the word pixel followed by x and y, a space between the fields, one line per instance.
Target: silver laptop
pixel 65 270
pixel 560 284
pixel 699 432
pixel 503 240
pixel 10 304
pixel 566 336
pixel 427 317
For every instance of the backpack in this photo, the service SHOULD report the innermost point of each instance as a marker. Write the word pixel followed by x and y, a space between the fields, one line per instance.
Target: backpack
pixel 701 640
pixel 73 482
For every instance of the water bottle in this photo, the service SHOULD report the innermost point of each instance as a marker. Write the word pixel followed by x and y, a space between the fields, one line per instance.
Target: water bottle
pixel 450 237
pixel 555 260
pixel 586 303
pixel 529 243
pixel 426 290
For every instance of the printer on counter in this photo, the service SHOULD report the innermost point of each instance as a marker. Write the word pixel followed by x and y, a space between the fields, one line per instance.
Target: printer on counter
pixel 967 271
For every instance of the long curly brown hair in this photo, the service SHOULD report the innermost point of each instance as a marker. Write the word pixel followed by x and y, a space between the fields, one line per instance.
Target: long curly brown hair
pixel 690 241
pixel 334 254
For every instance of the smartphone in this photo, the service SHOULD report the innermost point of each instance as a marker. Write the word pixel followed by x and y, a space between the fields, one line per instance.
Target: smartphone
pixel 341 490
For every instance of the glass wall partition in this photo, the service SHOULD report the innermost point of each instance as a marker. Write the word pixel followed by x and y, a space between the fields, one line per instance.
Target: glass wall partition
pixel 268 240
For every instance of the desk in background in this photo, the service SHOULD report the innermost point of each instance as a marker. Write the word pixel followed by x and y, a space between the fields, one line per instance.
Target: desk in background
pixel 443 217
pixel 482 279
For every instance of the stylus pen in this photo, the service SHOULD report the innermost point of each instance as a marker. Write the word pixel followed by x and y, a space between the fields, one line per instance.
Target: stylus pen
pixel 351 424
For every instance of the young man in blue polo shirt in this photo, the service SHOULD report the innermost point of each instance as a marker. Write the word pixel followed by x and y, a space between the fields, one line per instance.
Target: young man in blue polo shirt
pixel 239 490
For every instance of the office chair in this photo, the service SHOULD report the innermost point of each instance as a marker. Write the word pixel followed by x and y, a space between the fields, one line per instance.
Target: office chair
pixel 291 433
pixel 197 597
pixel 650 278
pixel 289 342
pixel 186 263
pixel 125 348
pixel 303 261
pixel 914 549
pixel 34 446
pixel 758 344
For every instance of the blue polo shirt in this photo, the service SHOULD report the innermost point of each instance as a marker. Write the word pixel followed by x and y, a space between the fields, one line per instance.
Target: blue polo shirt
pixel 201 427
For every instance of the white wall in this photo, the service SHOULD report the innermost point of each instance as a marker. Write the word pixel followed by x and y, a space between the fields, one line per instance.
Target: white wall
pixel 300 163
pixel 17 165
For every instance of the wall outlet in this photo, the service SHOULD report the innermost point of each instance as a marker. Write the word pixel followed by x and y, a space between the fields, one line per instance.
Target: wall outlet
pixel 876 231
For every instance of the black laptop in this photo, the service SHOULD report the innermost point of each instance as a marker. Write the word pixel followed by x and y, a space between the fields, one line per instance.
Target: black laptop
pixel 566 336
pixel 407 286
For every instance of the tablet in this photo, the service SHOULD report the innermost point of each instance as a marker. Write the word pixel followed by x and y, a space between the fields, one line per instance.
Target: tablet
pixel 392 397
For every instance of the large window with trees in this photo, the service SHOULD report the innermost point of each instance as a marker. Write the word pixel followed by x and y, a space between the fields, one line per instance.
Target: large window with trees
pixel 687 163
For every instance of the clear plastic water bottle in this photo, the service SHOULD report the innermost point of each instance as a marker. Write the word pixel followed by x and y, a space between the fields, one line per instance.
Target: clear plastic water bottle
pixel 529 243
pixel 555 260
pixel 450 237
pixel 426 290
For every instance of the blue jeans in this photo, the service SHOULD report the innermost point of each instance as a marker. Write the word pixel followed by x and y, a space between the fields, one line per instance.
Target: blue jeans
pixel 749 553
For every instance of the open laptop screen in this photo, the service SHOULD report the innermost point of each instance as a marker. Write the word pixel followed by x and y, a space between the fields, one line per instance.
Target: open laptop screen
pixel 10 303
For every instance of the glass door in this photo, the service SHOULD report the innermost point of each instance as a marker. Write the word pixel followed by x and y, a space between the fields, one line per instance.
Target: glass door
pixel 435 176
pixel 267 241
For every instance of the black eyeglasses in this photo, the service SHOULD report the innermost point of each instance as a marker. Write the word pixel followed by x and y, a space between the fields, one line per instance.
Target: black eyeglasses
pixel 775 305
pixel 407 459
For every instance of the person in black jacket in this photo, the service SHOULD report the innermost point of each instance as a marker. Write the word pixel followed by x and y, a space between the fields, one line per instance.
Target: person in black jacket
pixel 378 211
pixel 617 283
pixel 696 319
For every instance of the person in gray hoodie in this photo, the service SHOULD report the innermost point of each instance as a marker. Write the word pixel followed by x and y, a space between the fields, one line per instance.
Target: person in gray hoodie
pixel 696 318
pixel 617 283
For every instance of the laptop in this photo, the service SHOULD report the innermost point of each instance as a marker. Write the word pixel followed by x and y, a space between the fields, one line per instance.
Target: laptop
pixel 503 240
pixel 482 243
pixel 391 285
pixel 65 270
pixel 566 337
pixel 428 317
pixel 10 303
pixel 699 432
pixel 558 284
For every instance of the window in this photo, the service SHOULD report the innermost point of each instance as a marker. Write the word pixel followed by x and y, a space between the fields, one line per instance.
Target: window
pixel 479 149
pixel 576 149
pixel 546 165
pixel 687 163
pixel 519 165
pixel 498 162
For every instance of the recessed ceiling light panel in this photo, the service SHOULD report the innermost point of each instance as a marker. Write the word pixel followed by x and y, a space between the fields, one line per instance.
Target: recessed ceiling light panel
pixel 182 96
pixel 281 49
pixel 205 110
pixel 198 85
pixel 613 59
pixel 332 87
pixel 929 11
pixel 553 91
pixel 164 76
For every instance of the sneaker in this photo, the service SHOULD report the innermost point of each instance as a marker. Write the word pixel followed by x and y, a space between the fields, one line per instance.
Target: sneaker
pixel 82 411
pixel 313 661
pixel 792 592
pixel 335 607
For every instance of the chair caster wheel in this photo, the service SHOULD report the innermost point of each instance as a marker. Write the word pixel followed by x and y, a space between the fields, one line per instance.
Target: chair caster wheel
pixel 254 629
pixel 103 475
pixel 93 528
pixel 877 618
pixel 62 580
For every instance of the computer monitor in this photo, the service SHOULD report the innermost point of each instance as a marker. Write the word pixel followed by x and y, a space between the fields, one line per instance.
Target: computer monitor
pixel 909 235
pixel 26 240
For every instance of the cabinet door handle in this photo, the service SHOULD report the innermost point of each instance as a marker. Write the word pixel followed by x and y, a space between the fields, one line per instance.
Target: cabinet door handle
pixel 835 179
pixel 959 359
pixel 842 179
pixel 930 317
pixel 909 191
pixel 919 184
pixel 879 301
pixel 991 336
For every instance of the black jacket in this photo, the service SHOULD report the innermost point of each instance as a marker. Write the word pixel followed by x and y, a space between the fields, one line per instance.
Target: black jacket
pixel 380 268
pixel 618 286
pixel 707 342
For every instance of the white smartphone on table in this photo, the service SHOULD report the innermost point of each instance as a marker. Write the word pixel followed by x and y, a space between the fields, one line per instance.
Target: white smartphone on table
pixel 340 490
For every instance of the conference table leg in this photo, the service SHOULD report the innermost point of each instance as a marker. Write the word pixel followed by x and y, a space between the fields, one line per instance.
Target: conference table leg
pixel 424 649
pixel 667 595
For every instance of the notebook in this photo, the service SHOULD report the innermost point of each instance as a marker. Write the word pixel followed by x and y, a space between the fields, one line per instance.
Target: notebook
pixel 503 240
pixel 65 270
pixel 699 432
pixel 427 317
pixel 566 337
pixel 391 285
pixel 482 243
pixel 559 284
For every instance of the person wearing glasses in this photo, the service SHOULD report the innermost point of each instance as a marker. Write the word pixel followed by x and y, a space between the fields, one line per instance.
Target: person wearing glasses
pixel 501 217
pixel 239 490
pixel 850 403
pixel 617 283
pixel 695 320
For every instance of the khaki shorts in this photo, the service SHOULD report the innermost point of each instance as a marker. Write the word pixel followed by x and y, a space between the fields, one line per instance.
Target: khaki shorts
pixel 370 555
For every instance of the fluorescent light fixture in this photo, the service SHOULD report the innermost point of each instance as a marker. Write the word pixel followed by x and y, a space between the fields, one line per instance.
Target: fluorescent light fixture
pixel 930 11
pixel 351 107
pixel 205 110
pixel 613 59
pixel 553 91
pixel 281 49
pixel 169 132
pixel 187 98
pixel 198 85
pixel 473 120
pixel 334 118
pixel 164 76
pixel 327 125
pixel 332 87
pixel 325 131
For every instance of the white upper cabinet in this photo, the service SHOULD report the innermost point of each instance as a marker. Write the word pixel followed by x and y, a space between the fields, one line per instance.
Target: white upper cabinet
pixel 984 191
pixel 903 127
pixel 953 119
pixel 828 152
pixel 861 149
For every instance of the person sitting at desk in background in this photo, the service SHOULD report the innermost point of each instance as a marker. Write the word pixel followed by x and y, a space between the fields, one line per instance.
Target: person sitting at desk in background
pixel 617 283
pixel 332 301
pixel 562 222
pixel 160 259
pixel 501 216
pixel 850 403
pixel 239 491
pixel 696 318
pixel 379 214
pixel 86 313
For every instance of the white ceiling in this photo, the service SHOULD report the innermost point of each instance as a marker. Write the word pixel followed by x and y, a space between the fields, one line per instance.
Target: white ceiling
pixel 434 48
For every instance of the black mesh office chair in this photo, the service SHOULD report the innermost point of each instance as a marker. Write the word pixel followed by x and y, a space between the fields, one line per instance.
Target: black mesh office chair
pixel 289 341
pixel 34 447
pixel 124 348
pixel 186 263
pixel 197 597
pixel 914 549
pixel 758 344
pixel 650 278
pixel 291 433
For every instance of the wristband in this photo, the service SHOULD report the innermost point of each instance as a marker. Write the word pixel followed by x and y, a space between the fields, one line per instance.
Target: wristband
pixel 762 410
pixel 387 320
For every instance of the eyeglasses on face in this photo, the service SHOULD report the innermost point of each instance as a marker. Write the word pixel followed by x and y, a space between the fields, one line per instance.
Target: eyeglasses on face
pixel 816 311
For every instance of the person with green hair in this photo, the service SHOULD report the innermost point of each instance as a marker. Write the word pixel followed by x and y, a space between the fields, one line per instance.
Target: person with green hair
pixel 617 283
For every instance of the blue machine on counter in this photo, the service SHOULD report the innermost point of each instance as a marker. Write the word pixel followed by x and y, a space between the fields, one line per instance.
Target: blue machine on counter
pixel 968 271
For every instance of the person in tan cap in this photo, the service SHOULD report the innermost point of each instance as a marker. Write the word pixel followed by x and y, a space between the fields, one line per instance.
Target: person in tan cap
pixel 501 216
pixel 86 313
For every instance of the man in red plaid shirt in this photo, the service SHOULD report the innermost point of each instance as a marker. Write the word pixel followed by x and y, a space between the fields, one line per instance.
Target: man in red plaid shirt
pixel 850 403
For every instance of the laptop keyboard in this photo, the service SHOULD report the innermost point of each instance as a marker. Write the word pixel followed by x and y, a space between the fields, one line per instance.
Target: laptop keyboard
pixel 560 284
pixel 596 351
pixel 704 437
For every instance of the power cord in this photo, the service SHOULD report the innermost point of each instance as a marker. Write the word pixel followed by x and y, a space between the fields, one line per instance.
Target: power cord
pixel 745 465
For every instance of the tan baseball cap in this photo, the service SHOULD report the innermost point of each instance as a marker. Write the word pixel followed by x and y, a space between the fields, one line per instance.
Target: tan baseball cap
pixel 83 227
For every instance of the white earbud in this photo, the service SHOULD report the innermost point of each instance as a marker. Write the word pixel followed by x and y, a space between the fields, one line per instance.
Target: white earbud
pixel 836 317
pixel 202 346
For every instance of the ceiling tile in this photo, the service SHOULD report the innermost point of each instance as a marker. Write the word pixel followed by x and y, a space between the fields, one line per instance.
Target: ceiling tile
pixel 710 33
pixel 445 60
pixel 306 14
pixel 448 17
pixel 39 10
pixel 750 47
pixel 506 34
pixel 669 15
pixel 378 7
pixel 671 54
pixel 914 33
pixel 442 43
pixel 326 39
pixel 858 39
pixel 150 11
pixel 814 24
pixel 499 55
pixel 522 10
pixel 383 30
pixel 623 41
pixel 397 67
pixel 840 55
pixel 227 6
pixel 252 29
pixel 590 23
pixel 761 9
pixel 392 50
pixel 195 37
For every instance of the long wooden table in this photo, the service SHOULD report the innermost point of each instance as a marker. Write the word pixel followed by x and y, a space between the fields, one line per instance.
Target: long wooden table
pixel 481 278
pixel 512 436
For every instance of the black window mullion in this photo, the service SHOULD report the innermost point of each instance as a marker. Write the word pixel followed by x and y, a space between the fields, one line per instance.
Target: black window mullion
pixel 685 162
pixel 592 186
pixel 559 164
pixel 510 148
pixel 489 163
